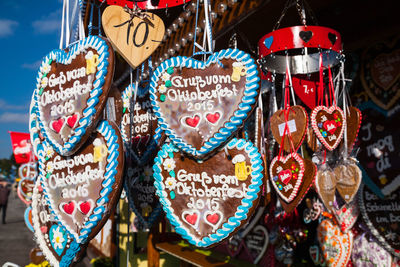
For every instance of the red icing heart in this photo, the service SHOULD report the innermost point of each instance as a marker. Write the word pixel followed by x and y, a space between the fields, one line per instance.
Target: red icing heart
pixel 191 218
pixel 285 176
pixel 213 118
pixel 43 229
pixel 69 207
pixel 71 120
pixel 213 218
pixel 57 125
pixel 330 126
pixel 84 207
pixel 193 122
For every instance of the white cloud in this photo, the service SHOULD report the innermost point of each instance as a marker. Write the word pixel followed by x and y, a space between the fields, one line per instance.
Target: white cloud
pixel 5 106
pixel 14 117
pixel 7 27
pixel 48 24
pixel 32 66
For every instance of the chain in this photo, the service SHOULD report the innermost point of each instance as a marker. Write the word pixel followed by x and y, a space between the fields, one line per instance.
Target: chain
pixel 301 6
pixel 301 11
pixel 278 23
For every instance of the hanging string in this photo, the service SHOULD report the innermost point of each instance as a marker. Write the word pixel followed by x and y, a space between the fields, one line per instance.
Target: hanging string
pixel 331 89
pixel 64 24
pixel 290 79
pixel 321 81
pixel 90 26
pixel 195 28
pixel 207 26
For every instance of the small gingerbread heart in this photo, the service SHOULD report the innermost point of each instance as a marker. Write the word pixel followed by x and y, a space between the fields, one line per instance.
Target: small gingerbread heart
pixel 347 215
pixel 348 179
pixel 325 183
pixel 353 124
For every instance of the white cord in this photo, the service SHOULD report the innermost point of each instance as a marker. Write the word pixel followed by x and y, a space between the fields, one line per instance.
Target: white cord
pixel 290 80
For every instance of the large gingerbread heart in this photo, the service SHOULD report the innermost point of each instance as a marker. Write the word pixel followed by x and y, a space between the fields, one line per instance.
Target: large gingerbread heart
pixel 71 92
pixel 134 37
pixel 297 123
pixel 382 217
pixel 206 201
pixel 141 137
pixel 369 253
pixel 139 186
pixel 59 248
pixel 336 246
pixel 328 125
pixel 200 104
pixel 379 150
pixel 380 73
pixel 83 189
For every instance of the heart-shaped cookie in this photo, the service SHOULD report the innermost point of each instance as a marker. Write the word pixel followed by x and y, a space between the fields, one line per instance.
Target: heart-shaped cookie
pixel 200 104
pixel 206 201
pixel 139 186
pixel 59 248
pixel 71 92
pixel 369 253
pixel 379 150
pixel 325 183
pixel 141 137
pixel 297 123
pixel 348 180
pixel 380 73
pixel 382 217
pixel 27 170
pixel 328 125
pixel 84 188
pixel 25 190
pixel 353 124
pixel 347 215
pixel 336 246
pixel 134 37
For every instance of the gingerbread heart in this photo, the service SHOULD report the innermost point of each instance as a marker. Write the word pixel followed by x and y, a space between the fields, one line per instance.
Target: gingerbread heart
pixel 369 253
pixel 139 186
pixel 328 125
pixel 84 188
pixel 325 182
pixel 71 92
pixel 336 246
pixel 380 73
pixel 297 123
pixel 36 256
pixel 134 37
pixel 28 218
pixel 348 180
pixel 200 104
pixel 141 137
pixel 207 201
pixel 382 217
pixel 347 215
pixel 57 245
pixel 353 124
pixel 27 170
pixel 34 128
pixel 25 190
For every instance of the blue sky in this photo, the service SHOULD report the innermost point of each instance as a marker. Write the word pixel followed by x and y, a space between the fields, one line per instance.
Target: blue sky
pixel 28 31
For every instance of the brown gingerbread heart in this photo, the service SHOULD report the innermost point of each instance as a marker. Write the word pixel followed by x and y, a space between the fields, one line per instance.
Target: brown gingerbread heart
pixel 353 124
pixel 348 179
pixel 297 125
pixel 325 183
pixel 312 140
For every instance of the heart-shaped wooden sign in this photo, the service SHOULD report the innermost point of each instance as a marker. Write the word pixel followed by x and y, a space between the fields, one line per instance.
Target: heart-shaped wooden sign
pixel 382 217
pixel 297 123
pixel 139 186
pixel 207 201
pixel 380 73
pixel 57 245
pixel 369 253
pixel 83 189
pixel 379 151
pixel 328 125
pixel 336 246
pixel 141 137
pixel 25 190
pixel 200 104
pixel 134 36
pixel 71 92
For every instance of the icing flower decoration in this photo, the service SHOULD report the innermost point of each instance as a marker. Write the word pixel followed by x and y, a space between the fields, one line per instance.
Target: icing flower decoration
pixel 126 103
pixel 169 164
pixel 49 167
pixel 49 152
pixel 170 183
pixel 165 77
pixel 58 238
pixel 44 82
pixel 46 68
pixel 324 134
pixel 293 166
pixel 148 171
pixel 162 89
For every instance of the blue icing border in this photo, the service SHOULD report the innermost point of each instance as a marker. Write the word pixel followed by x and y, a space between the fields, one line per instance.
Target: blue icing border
pixel 60 56
pixel 152 146
pixel 242 211
pixel 244 108
pixel 106 130
pixel 154 214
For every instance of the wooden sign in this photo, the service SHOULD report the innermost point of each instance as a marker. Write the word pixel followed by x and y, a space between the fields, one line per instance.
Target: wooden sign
pixel 134 35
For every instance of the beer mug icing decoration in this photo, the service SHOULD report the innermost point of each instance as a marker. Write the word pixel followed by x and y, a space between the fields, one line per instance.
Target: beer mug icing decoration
pixel 141 136
pixel 207 201
pixel 71 92
pixel 59 248
pixel 82 189
pixel 200 104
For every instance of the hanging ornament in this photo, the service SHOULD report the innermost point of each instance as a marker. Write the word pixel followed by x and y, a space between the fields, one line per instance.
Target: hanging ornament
pixel 208 207
pixel 27 170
